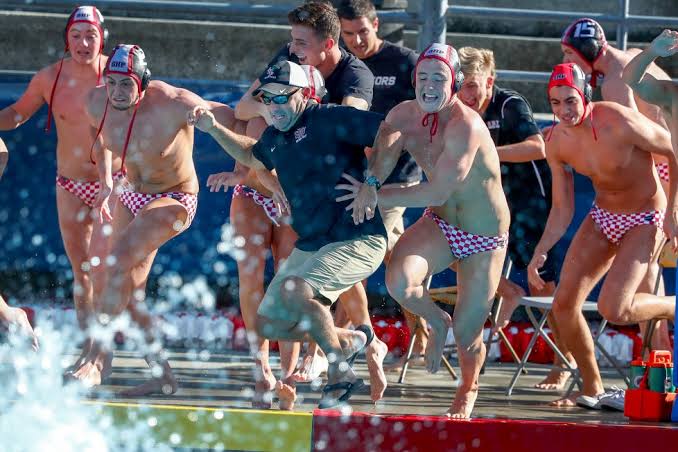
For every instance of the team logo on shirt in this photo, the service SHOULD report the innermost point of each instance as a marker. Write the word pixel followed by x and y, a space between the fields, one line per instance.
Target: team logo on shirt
pixel 384 80
pixel 270 73
pixel 300 134
pixel 273 148
pixel 494 124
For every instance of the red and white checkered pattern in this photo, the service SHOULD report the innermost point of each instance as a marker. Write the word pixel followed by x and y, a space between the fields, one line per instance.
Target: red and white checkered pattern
pixel 663 171
pixel 464 244
pixel 615 225
pixel 136 201
pixel 86 191
pixel 267 203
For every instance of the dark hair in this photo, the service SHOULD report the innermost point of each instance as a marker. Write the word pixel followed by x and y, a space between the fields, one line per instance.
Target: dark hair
pixel 319 16
pixel 355 9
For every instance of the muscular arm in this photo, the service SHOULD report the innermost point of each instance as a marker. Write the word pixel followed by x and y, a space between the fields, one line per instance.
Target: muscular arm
pixel 4 157
pixel 615 90
pixel 451 169
pixel 530 149
pixel 102 156
pixel 30 101
pixel 649 137
pixel 562 209
pixel 645 85
pixel 384 155
pixel 237 146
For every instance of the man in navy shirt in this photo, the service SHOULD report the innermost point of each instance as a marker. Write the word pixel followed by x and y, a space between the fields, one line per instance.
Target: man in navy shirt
pixel 392 67
pixel 315 42
pixel 311 146
pixel 526 179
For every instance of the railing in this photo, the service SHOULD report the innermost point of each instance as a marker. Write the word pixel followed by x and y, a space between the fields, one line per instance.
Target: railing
pixel 431 18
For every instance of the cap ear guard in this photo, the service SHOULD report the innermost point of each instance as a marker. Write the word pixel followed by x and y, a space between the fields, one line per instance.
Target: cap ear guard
pixel 145 79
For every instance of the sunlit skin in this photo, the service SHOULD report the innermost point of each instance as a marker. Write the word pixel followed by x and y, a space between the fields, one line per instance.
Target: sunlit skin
pixel 433 86
pixel 570 56
pixel 309 47
pixel 567 105
pixel 122 91
pixel 84 42
pixel 476 92
pixel 284 116
pixel 360 36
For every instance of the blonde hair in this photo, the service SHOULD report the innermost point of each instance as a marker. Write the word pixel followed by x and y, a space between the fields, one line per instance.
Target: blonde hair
pixel 477 61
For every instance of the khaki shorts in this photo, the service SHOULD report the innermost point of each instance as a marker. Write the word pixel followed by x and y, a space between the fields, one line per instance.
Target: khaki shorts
pixel 330 271
pixel 393 222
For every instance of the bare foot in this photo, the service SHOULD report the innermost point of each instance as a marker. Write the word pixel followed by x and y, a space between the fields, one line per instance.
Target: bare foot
pixel 86 350
pixel 92 373
pixel 566 402
pixel 375 355
pixel 312 366
pixel 287 394
pixel 352 342
pixel 436 341
pixel 263 392
pixel 554 381
pixel 463 403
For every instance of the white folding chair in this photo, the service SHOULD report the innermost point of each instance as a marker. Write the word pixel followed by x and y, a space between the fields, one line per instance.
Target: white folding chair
pixel 544 305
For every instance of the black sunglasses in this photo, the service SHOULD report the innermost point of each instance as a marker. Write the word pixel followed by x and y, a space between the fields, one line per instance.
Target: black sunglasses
pixel 280 99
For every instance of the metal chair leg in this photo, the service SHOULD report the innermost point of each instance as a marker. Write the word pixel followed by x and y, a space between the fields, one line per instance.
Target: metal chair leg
pixel 408 356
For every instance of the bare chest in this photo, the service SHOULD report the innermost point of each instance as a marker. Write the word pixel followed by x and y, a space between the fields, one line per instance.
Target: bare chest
pixel 68 104
pixel 601 159
pixel 425 149
pixel 145 139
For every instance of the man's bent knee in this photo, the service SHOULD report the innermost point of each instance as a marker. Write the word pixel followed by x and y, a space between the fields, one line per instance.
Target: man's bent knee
pixel 614 313
pixel 294 290
pixel 400 288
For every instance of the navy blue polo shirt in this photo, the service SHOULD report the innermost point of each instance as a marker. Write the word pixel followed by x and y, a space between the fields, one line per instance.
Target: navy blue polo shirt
pixel 326 141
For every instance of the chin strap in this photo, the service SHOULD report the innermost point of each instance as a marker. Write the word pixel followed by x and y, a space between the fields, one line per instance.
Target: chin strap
pixel 54 85
pixel 593 127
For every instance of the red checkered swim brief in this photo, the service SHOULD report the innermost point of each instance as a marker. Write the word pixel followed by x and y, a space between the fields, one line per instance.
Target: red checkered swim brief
pixel 464 244
pixel 265 202
pixel 135 201
pixel 663 171
pixel 86 191
pixel 615 225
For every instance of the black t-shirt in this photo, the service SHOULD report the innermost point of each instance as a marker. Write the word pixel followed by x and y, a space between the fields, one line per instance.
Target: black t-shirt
pixel 392 67
pixel 326 141
pixel 350 78
pixel 509 119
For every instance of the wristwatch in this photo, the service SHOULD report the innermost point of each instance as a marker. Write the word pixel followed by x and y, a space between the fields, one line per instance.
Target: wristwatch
pixel 372 181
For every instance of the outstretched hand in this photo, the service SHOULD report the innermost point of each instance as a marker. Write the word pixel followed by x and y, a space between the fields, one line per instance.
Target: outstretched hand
pixel 201 118
pixel 666 44
pixel 225 180
pixel 363 198
pixel 533 277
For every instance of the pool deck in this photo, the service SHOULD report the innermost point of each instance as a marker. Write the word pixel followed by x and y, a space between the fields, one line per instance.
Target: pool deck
pixel 220 386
